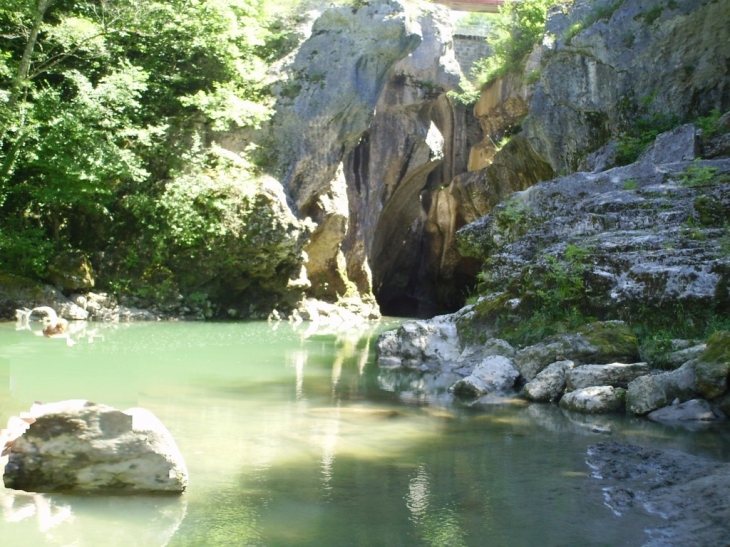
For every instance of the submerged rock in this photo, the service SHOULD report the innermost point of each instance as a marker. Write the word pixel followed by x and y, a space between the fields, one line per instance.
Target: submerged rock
pixel 689 493
pixel 595 400
pixel 549 384
pixel 77 446
pixel 694 410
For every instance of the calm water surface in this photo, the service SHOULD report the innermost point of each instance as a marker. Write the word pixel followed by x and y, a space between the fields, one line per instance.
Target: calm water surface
pixel 292 439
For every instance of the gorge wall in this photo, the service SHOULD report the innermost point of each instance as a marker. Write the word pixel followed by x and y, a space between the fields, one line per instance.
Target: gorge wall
pixel 388 167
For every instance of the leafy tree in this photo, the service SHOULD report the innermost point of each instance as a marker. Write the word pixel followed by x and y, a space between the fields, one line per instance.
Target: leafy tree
pixel 100 101
pixel 518 27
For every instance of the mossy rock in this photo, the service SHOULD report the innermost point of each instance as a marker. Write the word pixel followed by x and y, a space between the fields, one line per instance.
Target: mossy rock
pixel 71 271
pixel 713 367
pixel 614 340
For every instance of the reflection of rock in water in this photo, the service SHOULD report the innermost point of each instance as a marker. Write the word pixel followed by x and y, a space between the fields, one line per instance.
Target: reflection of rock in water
pixel 90 522
pixel 419 388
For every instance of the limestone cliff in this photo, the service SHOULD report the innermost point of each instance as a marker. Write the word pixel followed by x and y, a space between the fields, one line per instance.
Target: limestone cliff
pixel 605 61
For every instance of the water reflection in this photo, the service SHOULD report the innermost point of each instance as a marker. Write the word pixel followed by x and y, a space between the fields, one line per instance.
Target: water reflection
pixel 40 519
pixel 293 437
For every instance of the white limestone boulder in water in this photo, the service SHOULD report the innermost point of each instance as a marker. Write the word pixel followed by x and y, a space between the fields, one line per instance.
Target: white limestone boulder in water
pixel 549 385
pixel 416 344
pixel 595 400
pixel 77 446
pixel 495 373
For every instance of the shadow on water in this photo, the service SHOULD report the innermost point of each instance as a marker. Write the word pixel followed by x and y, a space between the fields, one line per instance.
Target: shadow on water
pixel 294 437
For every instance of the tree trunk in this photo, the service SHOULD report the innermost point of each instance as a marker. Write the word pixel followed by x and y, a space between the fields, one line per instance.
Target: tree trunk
pixel 22 75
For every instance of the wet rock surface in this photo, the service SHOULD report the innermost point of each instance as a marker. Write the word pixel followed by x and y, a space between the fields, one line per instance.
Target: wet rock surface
pixel 694 410
pixel 688 492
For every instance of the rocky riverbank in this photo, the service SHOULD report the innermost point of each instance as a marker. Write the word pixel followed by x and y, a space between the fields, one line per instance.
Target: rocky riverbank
pixel 688 492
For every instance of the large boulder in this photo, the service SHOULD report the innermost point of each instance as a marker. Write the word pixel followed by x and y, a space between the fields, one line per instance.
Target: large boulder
pixel 713 366
pixel 77 446
pixel 600 342
pixel 595 400
pixel 495 373
pixel 19 292
pixel 549 384
pixel 614 374
pixel 650 392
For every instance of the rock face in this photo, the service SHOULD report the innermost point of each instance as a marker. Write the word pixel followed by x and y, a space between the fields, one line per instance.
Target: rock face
pixel 594 343
pixel 367 87
pixel 642 240
pixel 594 400
pixel 660 482
pixel 667 58
pixel 82 447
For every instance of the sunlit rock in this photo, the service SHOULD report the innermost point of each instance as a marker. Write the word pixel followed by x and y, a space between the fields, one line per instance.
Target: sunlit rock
pixel 495 373
pixel 76 446
pixel 614 374
pixel 549 384
pixel 594 400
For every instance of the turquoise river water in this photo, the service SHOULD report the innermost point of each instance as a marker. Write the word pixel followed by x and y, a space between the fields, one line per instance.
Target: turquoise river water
pixel 295 438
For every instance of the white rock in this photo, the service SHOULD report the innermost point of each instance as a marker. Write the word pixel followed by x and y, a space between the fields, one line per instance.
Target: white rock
pixel 594 400
pixel 614 374
pixel 495 373
pixel 78 446
pixel 549 384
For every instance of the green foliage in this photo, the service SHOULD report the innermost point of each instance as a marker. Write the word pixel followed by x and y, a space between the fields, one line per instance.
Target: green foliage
pixel 630 184
pixel 698 175
pixel 513 35
pixel 643 122
pixel 101 101
pixel 709 125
